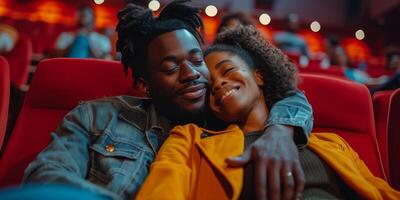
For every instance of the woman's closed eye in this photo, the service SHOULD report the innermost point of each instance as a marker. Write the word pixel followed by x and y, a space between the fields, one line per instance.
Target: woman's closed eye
pixel 227 71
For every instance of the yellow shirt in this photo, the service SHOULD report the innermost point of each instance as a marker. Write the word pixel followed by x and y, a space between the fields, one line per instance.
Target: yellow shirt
pixel 186 166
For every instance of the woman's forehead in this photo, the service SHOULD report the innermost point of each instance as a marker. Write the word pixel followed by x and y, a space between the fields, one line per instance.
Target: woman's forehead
pixel 215 60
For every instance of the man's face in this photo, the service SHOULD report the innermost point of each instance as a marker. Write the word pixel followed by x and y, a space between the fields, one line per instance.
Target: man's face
pixel 178 76
pixel 86 17
pixel 394 62
pixel 292 22
pixel 232 23
pixel 340 57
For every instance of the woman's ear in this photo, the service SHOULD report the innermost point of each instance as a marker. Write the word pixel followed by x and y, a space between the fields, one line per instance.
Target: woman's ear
pixel 259 77
pixel 142 86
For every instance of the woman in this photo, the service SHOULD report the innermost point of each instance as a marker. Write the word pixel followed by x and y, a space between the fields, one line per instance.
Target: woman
pixel 248 75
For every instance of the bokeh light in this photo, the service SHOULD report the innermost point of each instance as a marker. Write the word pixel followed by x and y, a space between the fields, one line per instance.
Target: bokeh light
pixel 211 11
pixel 265 19
pixel 154 5
pixel 315 26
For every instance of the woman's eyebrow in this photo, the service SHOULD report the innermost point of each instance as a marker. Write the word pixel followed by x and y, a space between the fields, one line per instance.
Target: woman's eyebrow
pixel 221 63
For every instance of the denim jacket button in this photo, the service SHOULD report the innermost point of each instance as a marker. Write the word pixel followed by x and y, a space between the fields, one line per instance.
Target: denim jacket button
pixel 110 148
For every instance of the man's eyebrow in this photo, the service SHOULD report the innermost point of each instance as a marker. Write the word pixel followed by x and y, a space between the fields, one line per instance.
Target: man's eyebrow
pixel 175 59
pixel 221 62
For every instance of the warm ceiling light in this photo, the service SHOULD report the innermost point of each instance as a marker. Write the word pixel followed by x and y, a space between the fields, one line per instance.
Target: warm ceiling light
pixel 211 11
pixel 360 34
pixel 98 2
pixel 154 5
pixel 264 19
pixel 315 26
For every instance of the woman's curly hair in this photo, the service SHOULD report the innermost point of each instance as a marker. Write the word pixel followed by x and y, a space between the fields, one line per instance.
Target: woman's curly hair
pixel 279 73
pixel 137 27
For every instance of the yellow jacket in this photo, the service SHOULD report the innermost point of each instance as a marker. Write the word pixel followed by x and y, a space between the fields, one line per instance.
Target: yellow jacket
pixel 186 166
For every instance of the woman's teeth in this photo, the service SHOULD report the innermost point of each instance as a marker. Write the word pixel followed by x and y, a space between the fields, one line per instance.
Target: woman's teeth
pixel 227 94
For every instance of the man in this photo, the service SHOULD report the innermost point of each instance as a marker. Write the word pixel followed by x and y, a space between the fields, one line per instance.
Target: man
pixel 289 41
pixel 107 145
pixel 393 60
pixel 84 42
pixel 8 38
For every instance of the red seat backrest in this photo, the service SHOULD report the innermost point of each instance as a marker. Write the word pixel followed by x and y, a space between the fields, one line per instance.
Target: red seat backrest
pixel 381 102
pixel 4 97
pixel 394 139
pixel 19 60
pixel 377 72
pixel 58 85
pixel 333 71
pixel 344 107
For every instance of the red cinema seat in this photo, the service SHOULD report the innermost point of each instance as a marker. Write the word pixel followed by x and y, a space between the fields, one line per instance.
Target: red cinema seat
pixel 381 102
pixel 19 60
pixel 332 71
pixel 58 86
pixel 315 62
pixel 377 72
pixel 4 97
pixel 394 139
pixel 344 107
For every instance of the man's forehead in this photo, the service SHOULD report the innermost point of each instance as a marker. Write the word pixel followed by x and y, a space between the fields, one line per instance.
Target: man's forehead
pixel 175 41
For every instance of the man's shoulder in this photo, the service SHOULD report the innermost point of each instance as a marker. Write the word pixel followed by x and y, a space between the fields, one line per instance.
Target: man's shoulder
pixel 101 113
pixel 66 35
pixel 117 102
pixel 98 36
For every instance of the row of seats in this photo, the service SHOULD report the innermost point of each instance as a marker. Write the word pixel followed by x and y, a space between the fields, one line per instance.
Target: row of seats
pixel 4 96
pixel 58 86
pixel 19 60
pixel 318 65
pixel 20 57
pixel 387 115
pixel 340 106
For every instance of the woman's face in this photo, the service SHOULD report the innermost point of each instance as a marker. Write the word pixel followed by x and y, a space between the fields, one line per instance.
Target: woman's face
pixel 235 86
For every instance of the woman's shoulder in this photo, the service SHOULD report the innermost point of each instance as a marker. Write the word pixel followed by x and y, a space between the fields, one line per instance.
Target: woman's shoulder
pixel 329 140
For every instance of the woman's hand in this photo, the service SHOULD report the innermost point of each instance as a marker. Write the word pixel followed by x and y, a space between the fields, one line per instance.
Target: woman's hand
pixel 277 166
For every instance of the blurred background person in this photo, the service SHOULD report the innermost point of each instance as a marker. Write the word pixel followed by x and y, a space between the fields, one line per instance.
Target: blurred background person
pixel 112 36
pixel 8 38
pixel 289 40
pixel 231 20
pixel 84 42
pixel 338 57
pixel 393 60
pixel 393 63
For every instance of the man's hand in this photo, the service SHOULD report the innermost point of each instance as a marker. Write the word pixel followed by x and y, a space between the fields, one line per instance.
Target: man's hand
pixel 277 166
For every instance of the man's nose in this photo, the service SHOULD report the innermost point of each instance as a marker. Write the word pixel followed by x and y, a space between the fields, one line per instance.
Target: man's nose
pixel 188 72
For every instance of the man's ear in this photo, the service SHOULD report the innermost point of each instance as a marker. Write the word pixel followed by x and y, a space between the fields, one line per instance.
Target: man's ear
pixel 142 86
pixel 259 77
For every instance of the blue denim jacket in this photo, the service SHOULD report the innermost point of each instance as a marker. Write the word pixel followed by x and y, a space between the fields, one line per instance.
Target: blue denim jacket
pixel 106 146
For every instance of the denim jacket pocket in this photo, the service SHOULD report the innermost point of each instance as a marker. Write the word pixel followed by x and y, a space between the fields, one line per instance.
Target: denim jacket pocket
pixel 113 159
pixel 108 146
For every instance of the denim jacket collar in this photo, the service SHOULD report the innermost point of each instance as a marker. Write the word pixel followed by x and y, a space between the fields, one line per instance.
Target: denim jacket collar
pixel 142 106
